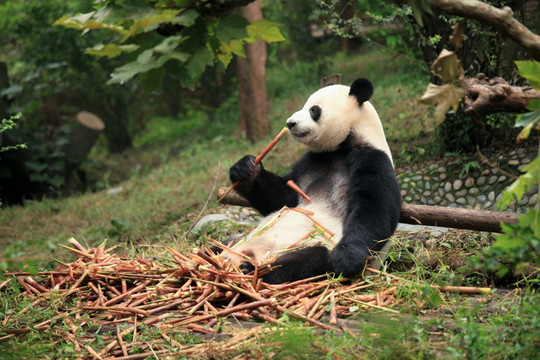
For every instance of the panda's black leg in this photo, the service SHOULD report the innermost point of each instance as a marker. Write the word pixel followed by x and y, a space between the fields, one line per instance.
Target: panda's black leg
pixel 299 264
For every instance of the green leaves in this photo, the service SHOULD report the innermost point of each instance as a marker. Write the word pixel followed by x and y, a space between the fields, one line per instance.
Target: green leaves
pixel 519 244
pixel 267 30
pixel 530 120
pixel 531 71
pixel 110 50
pixel 191 43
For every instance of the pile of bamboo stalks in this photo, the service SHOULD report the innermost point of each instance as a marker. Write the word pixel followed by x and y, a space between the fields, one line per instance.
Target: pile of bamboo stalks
pixel 193 293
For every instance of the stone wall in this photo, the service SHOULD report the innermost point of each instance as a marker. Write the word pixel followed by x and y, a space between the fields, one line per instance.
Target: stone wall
pixel 466 181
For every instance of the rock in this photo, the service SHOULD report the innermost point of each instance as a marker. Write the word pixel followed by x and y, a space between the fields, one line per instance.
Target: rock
pixel 407 179
pixel 495 171
pixel 491 196
pixel 426 193
pixel 485 172
pixel 440 191
pixel 403 193
pixel 474 191
pixel 469 182
pixel 417 177
pixel 442 177
pixel 522 167
pixel 436 234
pixel 450 197
pixel 502 178
pixel 533 200
pixel 461 193
pixel 115 190
pixel 488 205
pixel 481 181
pixel 209 219
pixel 405 185
pixel 441 170
pixel 461 201
pixel 532 190
pixel 492 180
pixel 457 184
pixel 428 185
pixel 525 160
pixel 447 187
pixel 481 198
pixel 437 199
pixel 524 201
pixel 471 201
pixel 513 162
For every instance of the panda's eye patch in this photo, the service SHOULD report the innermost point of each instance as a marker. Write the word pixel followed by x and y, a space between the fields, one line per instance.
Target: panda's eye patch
pixel 315 112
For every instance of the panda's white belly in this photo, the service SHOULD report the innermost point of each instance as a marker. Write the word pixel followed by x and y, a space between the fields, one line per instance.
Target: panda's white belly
pixel 288 229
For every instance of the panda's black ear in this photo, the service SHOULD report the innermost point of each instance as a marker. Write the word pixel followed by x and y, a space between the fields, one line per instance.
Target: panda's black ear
pixel 362 89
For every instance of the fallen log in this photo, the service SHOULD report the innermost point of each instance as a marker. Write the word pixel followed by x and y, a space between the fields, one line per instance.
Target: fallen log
pixel 488 96
pixel 457 218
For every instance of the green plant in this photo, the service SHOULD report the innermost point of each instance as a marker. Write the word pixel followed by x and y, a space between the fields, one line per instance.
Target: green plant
pixel 8 124
pixel 518 247
pixel 194 38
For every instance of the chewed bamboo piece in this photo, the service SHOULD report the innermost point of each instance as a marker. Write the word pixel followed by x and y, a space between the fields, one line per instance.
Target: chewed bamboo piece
pixel 195 292
pixel 296 188
pixel 259 158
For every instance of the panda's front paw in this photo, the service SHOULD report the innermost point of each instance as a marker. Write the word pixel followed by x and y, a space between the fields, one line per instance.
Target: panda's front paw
pixel 244 169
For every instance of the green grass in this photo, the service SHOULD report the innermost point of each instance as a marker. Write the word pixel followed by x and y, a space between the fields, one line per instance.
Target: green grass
pixel 167 179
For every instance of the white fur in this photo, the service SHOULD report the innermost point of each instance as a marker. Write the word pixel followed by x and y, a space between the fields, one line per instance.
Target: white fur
pixel 263 244
pixel 340 114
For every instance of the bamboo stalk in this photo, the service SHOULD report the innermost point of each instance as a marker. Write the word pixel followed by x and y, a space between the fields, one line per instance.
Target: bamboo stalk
pixel 296 188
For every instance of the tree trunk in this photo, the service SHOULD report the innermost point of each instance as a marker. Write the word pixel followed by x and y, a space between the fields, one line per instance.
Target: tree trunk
pixel 116 132
pixel 251 71
pixel 478 220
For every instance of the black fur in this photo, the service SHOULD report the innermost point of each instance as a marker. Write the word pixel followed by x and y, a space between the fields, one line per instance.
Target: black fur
pixel 369 217
pixel 372 211
pixel 362 89
pixel 267 192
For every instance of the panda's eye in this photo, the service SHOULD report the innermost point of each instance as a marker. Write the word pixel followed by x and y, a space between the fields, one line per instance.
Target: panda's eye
pixel 315 112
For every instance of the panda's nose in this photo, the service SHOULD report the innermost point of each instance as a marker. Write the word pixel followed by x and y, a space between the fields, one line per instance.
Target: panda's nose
pixel 291 123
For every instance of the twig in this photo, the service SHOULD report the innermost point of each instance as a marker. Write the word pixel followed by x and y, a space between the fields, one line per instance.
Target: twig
pixel 487 161
pixel 208 199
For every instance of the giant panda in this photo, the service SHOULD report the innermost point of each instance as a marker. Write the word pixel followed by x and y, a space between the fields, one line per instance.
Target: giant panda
pixel 348 174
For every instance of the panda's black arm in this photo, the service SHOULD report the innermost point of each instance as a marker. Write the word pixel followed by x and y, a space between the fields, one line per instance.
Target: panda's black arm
pixel 372 210
pixel 266 191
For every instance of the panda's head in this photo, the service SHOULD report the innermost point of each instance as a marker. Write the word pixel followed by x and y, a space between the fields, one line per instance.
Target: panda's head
pixel 333 112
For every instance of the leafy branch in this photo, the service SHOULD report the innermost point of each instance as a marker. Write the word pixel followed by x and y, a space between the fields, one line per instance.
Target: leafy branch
pixel 198 40
pixel 8 124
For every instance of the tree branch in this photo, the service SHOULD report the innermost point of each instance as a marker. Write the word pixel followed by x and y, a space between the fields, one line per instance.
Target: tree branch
pixel 501 19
